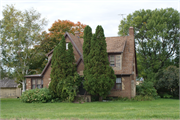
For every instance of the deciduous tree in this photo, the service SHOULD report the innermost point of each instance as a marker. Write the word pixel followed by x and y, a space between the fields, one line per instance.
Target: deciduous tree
pixel 156 35
pixel 57 30
pixel 20 31
pixel 168 81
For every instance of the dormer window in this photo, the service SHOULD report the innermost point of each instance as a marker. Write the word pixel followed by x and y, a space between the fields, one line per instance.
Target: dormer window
pixel 67 46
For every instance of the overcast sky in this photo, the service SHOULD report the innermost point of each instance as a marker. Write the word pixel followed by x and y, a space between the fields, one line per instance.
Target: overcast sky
pixel 89 12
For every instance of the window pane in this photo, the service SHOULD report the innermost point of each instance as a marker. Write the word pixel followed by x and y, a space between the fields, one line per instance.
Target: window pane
pixel 111 57
pixel 118 85
pixel 118 80
pixel 33 81
pixel 39 81
pixel 112 63
pixel 38 86
pixel 33 86
pixel 66 46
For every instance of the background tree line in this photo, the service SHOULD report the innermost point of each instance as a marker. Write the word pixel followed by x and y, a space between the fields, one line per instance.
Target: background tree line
pixel 24 43
pixel 157 45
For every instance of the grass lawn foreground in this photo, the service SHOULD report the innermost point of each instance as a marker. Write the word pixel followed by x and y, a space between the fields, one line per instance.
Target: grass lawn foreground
pixel 157 109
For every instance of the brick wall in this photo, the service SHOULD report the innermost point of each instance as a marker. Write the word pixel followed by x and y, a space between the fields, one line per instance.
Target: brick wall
pixel 126 91
pixel 80 68
pixel 46 77
pixel 28 83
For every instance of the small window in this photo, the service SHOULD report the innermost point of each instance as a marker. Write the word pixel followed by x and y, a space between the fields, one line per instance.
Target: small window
pixel 37 83
pixel 112 60
pixel 118 83
pixel 67 46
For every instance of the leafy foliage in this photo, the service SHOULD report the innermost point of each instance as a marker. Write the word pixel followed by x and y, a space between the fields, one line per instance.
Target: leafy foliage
pixel 69 87
pixel 100 76
pixel 168 81
pixel 58 65
pixel 64 78
pixel 86 46
pixel 156 36
pixel 71 66
pixel 20 31
pixel 57 30
pixel 146 89
pixel 36 95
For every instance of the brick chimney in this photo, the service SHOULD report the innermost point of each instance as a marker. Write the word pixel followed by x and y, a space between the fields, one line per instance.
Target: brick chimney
pixel 131 31
pixel 77 34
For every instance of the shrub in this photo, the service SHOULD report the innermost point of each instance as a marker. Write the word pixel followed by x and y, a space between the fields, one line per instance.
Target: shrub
pixel 142 98
pixel 167 95
pixel 69 87
pixel 146 89
pixel 94 98
pixel 168 81
pixel 136 98
pixel 36 95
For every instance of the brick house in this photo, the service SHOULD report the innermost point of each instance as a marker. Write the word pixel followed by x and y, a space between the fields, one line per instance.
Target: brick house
pixel 122 58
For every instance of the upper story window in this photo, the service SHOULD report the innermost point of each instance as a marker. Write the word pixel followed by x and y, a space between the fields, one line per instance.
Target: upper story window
pixel 67 46
pixel 115 61
pixel 37 83
pixel 112 60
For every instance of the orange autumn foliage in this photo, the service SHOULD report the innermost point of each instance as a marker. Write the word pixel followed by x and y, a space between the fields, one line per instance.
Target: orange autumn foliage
pixel 61 26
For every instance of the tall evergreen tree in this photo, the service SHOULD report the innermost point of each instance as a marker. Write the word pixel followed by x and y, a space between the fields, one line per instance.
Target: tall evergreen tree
pixel 64 78
pixel 58 65
pixel 100 76
pixel 86 45
pixel 71 67
pixel 86 48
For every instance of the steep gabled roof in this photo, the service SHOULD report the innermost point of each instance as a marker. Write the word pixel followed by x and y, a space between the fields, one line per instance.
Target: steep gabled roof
pixel 76 43
pixel 119 44
pixel 116 44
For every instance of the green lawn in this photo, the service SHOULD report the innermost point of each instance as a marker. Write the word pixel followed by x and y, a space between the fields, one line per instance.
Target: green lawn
pixel 157 109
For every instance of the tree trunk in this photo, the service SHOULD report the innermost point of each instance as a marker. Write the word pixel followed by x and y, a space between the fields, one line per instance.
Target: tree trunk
pixel 100 98
pixel 23 86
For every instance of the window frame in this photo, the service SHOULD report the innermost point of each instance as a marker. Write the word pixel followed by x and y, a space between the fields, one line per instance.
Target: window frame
pixel 114 87
pixel 114 60
pixel 36 83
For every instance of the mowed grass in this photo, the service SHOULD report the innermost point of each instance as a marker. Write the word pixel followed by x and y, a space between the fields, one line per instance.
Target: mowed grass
pixel 157 109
